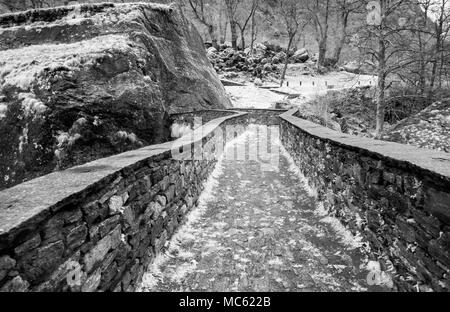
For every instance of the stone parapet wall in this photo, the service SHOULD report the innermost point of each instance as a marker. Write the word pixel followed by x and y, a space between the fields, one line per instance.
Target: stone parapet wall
pixel 204 115
pixel 268 117
pixel 252 116
pixel 398 196
pixel 96 227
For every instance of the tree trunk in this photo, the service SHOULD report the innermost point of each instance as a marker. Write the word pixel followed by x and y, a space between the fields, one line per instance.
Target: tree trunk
pixel 242 39
pixel 341 38
pixel 322 52
pixel 222 31
pixel 286 62
pixel 338 51
pixel 380 98
pixel 212 35
pixel 441 69
pixel 422 66
pixel 233 34
pixel 253 37
pixel 434 70
pixel 233 26
pixel 323 36
pixel 422 55
pixel 223 38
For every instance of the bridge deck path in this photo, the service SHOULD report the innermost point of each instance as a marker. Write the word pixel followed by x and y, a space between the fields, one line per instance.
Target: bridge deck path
pixel 257 230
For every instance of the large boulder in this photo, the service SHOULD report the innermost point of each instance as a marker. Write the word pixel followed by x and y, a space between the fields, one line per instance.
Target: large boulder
pixel 300 56
pixel 229 51
pixel 355 67
pixel 259 50
pixel 279 57
pixel 258 82
pixel 211 52
pixel 83 82
pixel 352 67
pixel 273 47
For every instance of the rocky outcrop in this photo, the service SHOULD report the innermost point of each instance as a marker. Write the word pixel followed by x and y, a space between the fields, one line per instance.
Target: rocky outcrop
pixel 228 60
pixel 82 82
pixel 349 111
pixel 301 56
pixel 428 129
pixel 266 60
pixel 356 67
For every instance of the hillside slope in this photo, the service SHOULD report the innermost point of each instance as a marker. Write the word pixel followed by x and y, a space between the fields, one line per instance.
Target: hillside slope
pixel 83 82
pixel 428 129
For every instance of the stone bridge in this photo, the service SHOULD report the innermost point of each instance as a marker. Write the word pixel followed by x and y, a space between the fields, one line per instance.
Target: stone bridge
pixel 249 200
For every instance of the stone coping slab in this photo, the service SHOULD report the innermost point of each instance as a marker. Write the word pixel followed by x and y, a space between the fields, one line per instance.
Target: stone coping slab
pixel 232 111
pixel 250 109
pixel 225 111
pixel 32 201
pixel 231 83
pixel 430 161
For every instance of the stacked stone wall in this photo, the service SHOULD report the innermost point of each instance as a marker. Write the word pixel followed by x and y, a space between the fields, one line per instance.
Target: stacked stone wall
pixel 98 226
pixel 396 195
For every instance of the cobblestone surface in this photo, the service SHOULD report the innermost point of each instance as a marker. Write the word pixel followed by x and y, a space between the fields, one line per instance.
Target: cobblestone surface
pixel 258 230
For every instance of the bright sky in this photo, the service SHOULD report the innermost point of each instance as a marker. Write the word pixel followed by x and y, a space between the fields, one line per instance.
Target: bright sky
pixel 435 9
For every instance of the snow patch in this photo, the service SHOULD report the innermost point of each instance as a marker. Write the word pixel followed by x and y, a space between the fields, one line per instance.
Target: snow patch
pixel 185 233
pixel 252 97
pixel 153 275
pixel 63 139
pixel 21 67
pixel 23 139
pixel 346 237
pixel 296 170
pixel 180 130
pixel 182 271
pixel 3 109
pixel 320 210
pixel 188 233
pixel 31 106
pixel 127 136
pixel 373 266
pixel 275 262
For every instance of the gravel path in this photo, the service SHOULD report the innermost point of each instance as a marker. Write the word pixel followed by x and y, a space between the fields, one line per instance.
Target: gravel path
pixel 250 96
pixel 258 229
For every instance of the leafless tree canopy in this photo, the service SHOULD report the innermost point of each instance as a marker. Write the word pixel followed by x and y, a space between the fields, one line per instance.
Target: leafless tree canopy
pixel 404 41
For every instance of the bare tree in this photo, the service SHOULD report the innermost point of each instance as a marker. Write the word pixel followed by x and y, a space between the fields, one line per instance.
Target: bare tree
pixel 320 11
pixel 254 30
pixel 293 12
pixel 427 50
pixel 246 14
pixel 386 44
pixel 441 30
pixel 202 10
pixel 344 8
pixel 420 41
pixel 223 23
pixel 231 6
